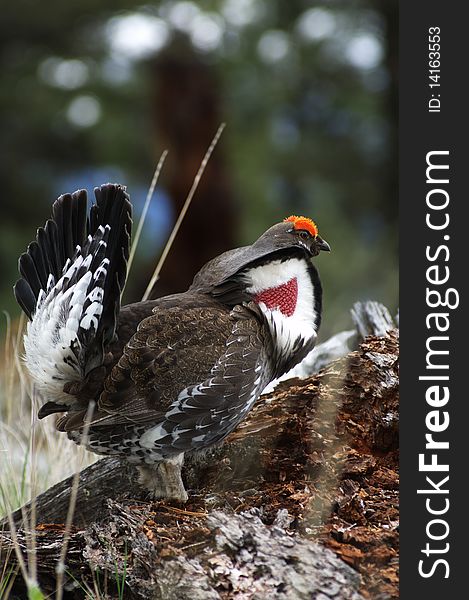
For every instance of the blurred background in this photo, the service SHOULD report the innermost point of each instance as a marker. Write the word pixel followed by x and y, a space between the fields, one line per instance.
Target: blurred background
pixel 94 90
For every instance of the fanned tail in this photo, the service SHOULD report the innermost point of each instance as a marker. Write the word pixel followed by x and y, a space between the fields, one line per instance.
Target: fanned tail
pixel 73 276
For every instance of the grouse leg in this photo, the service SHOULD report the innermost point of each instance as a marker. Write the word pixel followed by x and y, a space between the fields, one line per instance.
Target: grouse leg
pixel 163 479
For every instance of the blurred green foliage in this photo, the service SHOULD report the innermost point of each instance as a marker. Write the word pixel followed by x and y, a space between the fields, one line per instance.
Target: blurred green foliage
pixel 308 90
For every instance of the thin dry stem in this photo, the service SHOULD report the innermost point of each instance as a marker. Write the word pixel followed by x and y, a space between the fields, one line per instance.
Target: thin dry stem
pixel 141 222
pixel 182 214
pixel 7 358
pixel 32 524
pixel 60 567
pixel 17 547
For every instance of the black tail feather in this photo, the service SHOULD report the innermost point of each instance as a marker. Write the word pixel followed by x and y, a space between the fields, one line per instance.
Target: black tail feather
pixel 69 212
pixel 57 242
pixel 25 297
pixel 113 207
pixel 29 272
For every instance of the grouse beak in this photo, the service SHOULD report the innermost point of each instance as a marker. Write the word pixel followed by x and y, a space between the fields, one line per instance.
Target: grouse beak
pixel 322 244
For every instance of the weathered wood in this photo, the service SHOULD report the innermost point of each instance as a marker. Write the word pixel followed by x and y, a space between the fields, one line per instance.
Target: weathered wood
pixel 107 478
pixel 372 318
pixel 322 451
pixel 232 553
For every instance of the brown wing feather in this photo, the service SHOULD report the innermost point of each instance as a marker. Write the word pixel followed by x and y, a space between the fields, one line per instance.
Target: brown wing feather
pixel 172 349
pixel 206 413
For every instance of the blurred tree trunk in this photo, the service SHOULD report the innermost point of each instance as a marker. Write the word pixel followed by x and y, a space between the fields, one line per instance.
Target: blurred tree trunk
pixel 187 114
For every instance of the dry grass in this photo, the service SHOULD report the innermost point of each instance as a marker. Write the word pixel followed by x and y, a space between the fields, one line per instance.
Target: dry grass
pixel 33 456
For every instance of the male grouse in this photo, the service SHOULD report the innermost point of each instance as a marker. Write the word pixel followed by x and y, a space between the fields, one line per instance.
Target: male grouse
pixel 165 376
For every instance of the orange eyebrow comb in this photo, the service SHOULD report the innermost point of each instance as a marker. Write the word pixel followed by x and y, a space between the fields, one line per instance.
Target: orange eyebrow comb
pixel 303 223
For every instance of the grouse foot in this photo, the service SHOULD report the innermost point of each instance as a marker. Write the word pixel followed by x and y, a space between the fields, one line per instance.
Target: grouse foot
pixel 163 479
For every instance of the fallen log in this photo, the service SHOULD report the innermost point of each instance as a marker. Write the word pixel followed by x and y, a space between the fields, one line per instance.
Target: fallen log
pixel 314 466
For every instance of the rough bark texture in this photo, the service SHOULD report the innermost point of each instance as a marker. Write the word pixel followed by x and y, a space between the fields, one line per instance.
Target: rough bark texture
pixel 314 467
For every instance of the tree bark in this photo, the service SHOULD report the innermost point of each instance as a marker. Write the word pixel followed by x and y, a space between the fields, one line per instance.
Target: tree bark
pixel 314 465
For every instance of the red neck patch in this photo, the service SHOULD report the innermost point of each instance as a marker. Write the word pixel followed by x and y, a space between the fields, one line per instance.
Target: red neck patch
pixel 283 297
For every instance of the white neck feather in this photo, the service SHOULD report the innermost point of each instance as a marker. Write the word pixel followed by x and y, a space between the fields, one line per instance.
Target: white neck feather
pixel 301 324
